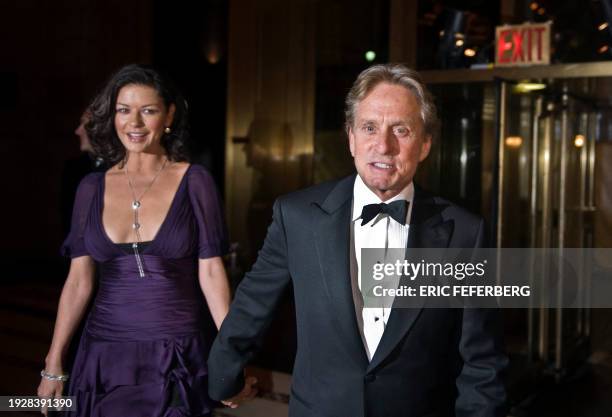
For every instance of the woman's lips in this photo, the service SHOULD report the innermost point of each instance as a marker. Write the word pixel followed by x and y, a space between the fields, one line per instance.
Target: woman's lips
pixel 136 137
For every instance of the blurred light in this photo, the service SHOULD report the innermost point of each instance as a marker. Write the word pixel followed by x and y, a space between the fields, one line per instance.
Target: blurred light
pixel 603 49
pixel 213 57
pixel 603 26
pixel 527 87
pixel 370 56
pixel 514 141
pixel 213 53
pixel 459 42
pixel 541 11
pixel 579 141
pixel 441 33
pixel 534 6
pixel 469 52
pixel 459 35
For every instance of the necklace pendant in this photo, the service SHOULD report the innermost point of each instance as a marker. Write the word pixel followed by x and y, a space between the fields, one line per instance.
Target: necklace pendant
pixel 136 226
pixel 139 264
pixel 135 205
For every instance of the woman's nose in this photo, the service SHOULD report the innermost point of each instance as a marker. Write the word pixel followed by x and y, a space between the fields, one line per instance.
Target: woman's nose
pixel 135 119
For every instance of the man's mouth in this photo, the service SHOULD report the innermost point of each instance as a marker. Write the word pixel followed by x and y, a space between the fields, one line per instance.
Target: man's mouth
pixel 381 165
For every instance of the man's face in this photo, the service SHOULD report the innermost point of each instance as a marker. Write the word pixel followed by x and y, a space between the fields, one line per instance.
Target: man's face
pixel 84 142
pixel 387 139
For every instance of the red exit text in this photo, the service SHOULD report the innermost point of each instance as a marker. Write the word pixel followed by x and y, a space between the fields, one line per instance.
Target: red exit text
pixel 526 44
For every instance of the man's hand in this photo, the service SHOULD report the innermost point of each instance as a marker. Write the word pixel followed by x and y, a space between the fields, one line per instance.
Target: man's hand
pixel 247 393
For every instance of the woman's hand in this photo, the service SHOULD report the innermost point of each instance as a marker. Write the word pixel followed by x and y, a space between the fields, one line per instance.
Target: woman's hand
pixel 49 389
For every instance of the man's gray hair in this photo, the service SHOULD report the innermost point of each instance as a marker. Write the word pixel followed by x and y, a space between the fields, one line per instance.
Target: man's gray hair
pixel 397 74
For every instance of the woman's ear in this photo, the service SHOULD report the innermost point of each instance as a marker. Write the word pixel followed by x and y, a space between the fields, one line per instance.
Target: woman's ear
pixel 170 116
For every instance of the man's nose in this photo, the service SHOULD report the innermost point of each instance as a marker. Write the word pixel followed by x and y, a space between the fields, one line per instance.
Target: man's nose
pixel 385 144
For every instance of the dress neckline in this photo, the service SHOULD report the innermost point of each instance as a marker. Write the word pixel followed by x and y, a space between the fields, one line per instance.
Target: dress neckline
pixel 161 226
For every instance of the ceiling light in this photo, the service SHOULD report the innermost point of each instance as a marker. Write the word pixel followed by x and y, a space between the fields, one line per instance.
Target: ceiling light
pixel 527 87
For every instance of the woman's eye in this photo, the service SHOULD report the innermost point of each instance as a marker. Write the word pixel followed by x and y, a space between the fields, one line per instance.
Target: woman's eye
pixel 122 110
pixel 149 111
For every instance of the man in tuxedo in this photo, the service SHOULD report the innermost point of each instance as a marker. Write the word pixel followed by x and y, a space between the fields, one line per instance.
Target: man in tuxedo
pixel 356 361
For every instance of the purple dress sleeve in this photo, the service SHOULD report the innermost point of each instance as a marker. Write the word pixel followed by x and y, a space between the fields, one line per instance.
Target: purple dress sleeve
pixel 212 233
pixel 74 245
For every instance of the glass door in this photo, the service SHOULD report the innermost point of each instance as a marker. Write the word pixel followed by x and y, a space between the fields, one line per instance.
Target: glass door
pixel 545 199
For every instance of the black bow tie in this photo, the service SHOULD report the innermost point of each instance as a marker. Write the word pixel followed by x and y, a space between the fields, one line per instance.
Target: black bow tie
pixel 397 210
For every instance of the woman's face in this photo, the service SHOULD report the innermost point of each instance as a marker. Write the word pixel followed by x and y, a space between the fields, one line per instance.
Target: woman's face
pixel 141 117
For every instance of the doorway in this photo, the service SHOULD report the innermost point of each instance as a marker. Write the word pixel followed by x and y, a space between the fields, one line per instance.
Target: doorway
pixel 529 149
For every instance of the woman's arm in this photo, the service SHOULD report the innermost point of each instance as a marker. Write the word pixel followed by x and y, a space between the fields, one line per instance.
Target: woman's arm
pixel 215 286
pixel 73 302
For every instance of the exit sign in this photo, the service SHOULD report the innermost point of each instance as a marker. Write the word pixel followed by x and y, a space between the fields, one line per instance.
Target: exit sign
pixel 526 44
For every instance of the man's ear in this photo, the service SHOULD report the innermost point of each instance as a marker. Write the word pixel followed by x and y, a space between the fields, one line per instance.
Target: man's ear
pixel 425 148
pixel 351 138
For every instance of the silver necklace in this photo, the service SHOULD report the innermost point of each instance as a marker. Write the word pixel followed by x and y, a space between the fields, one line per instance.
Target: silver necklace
pixel 136 204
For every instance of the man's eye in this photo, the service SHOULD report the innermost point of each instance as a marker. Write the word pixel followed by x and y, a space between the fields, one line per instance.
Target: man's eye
pixel 369 129
pixel 401 131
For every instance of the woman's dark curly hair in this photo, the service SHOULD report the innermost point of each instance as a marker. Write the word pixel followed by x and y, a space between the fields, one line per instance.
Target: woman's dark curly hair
pixel 101 125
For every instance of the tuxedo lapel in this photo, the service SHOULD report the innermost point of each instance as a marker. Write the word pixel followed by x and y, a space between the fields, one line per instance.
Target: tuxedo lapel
pixel 427 230
pixel 332 237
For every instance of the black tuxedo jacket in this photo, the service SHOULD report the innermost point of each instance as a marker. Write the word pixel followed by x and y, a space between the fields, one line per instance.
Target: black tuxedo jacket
pixel 430 362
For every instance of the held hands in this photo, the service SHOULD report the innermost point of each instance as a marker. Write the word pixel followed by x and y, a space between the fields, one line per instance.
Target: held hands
pixel 248 393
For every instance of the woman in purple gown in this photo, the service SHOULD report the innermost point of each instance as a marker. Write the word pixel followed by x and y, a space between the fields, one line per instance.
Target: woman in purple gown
pixel 150 231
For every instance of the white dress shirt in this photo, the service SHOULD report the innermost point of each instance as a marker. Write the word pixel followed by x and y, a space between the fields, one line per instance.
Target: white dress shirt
pixel 381 232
